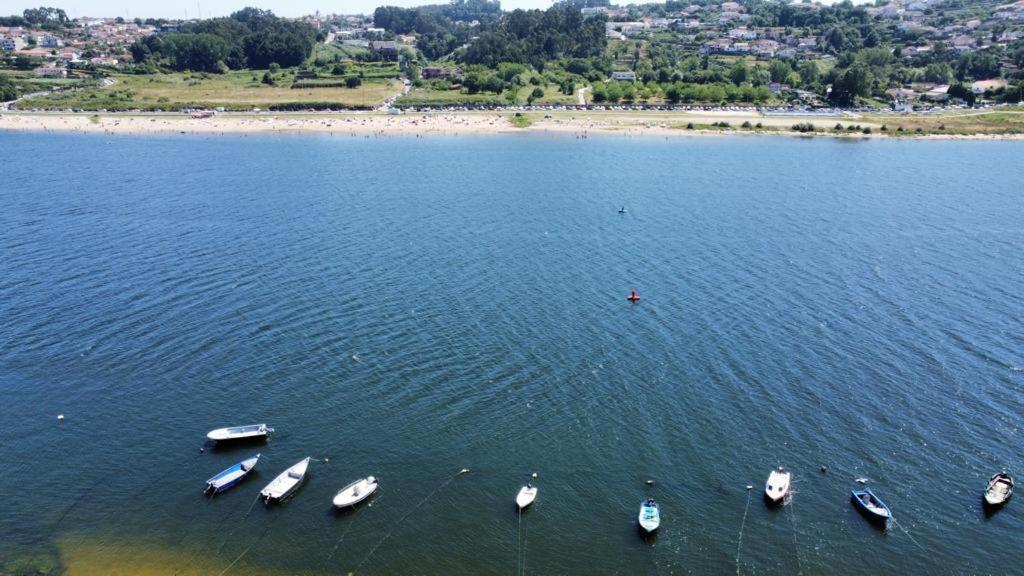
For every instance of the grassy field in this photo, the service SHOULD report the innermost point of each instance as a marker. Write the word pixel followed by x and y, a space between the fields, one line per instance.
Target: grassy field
pixel 430 97
pixel 1007 121
pixel 241 90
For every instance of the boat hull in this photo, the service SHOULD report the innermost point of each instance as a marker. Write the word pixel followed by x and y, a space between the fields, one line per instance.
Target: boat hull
pixel 345 498
pixel 649 518
pixel 879 514
pixel 238 433
pixel 230 477
pixel 525 497
pixel 777 487
pixel 286 483
pixel 998 491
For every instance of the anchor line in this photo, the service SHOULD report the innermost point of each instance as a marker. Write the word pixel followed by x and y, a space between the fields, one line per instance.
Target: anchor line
pixel 246 551
pixel 739 540
pixel 524 548
pixel 402 520
pixel 907 532
pixel 519 543
pixel 796 546
pixel 240 522
pixel 345 531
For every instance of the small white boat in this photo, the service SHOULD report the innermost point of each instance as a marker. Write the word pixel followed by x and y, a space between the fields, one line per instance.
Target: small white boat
pixel 527 494
pixel 355 492
pixel 286 482
pixel 239 432
pixel 777 486
pixel 999 489
pixel 650 516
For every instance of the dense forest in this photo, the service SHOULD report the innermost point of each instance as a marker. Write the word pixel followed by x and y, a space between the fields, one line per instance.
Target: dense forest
pixel 249 38
pixel 521 36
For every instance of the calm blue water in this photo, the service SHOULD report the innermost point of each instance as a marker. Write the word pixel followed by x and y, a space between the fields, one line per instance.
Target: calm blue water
pixel 410 307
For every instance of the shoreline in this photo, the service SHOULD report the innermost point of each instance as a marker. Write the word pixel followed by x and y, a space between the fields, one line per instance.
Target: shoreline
pixel 577 124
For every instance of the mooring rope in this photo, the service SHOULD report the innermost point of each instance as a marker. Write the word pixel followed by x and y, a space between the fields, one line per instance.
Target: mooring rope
pixel 796 545
pixel 519 543
pixel 524 547
pixel 246 551
pixel 240 522
pixel 739 540
pixel 349 527
pixel 907 532
pixel 402 520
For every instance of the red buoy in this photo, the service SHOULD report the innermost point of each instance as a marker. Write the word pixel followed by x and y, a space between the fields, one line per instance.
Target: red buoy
pixel 633 296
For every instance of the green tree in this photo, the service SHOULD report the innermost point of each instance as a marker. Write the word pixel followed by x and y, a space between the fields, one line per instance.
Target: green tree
pixel 738 74
pixel 779 70
pixel 850 84
pixel 810 75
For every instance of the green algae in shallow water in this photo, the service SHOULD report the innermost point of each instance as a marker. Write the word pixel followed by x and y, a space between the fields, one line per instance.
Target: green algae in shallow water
pixel 36 565
pixel 94 558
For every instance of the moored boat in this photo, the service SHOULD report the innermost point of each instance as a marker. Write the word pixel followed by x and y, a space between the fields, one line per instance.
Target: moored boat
pixel 650 516
pixel 527 494
pixel 869 504
pixel 239 432
pixel 999 489
pixel 777 487
pixel 286 483
pixel 355 492
pixel 231 476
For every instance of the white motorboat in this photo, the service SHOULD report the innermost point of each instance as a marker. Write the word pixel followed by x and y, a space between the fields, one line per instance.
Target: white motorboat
pixel 286 482
pixel 527 494
pixel 650 516
pixel 777 486
pixel 239 432
pixel 355 492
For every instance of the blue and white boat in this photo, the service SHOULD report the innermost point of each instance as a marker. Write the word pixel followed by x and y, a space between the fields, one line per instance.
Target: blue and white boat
pixel 650 517
pixel 233 475
pixel 869 504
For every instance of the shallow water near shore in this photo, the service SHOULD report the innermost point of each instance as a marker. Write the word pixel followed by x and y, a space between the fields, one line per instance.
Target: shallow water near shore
pixel 408 307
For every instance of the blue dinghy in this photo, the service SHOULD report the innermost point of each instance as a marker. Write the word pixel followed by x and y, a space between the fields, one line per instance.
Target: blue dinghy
pixel 231 476
pixel 869 504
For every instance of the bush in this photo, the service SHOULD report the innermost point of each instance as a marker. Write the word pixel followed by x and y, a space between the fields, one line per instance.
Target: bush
pixel 804 127
pixel 746 125
pixel 866 130
pixel 899 128
pixel 689 125
pixel 300 106
pixel 268 79
pixel 884 128
pixel 353 82
pixel 838 126
pixel 758 125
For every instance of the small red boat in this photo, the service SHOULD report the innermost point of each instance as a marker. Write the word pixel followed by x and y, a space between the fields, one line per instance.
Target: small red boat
pixel 633 296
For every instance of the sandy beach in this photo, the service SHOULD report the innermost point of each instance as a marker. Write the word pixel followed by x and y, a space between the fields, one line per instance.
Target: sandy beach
pixel 368 124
